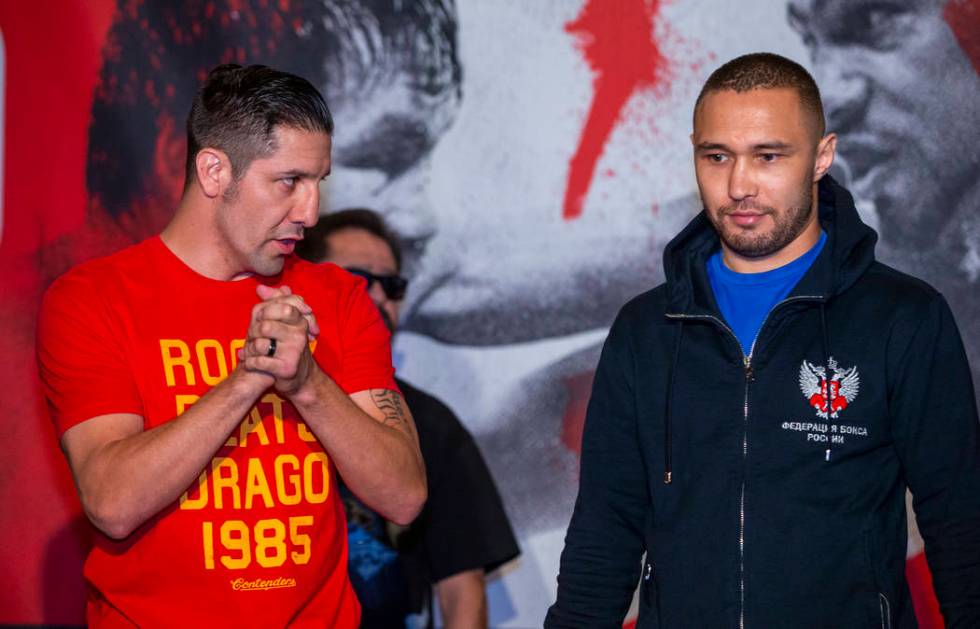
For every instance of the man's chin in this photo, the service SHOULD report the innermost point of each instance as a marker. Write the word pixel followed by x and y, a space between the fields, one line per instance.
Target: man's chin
pixel 756 245
pixel 907 216
pixel 269 266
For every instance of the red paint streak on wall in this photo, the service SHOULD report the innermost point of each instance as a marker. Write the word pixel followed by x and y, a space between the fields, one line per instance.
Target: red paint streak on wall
pixel 963 16
pixel 579 388
pixel 616 39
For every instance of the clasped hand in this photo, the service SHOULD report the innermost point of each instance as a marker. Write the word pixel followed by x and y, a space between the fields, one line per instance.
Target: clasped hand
pixel 289 320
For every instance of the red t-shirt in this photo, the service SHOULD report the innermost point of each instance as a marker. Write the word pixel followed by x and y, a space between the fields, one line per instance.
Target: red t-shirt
pixel 260 539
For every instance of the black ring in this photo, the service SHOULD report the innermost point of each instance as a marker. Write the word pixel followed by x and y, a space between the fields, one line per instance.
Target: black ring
pixel 272 348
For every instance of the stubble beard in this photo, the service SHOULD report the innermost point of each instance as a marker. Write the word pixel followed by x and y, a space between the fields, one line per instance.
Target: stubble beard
pixel 787 226
pixel 267 267
pixel 256 261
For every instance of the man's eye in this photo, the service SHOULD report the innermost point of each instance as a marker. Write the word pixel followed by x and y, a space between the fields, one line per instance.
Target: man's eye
pixel 289 182
pixel 716 158
pixel 769 157
pixel 802 23
pixel 879 19
pixel 878 25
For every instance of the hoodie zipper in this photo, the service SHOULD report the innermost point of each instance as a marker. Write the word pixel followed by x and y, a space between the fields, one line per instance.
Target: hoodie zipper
pixel 747 362
pixel 749 377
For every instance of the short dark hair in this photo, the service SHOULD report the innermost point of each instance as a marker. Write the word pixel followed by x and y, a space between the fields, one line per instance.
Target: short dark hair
pixel 765 70
pixel 314 248
pixel 237 110
pixel 154 61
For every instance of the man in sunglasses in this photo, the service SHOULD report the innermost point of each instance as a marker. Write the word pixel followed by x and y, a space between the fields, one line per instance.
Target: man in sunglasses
pixel 463 531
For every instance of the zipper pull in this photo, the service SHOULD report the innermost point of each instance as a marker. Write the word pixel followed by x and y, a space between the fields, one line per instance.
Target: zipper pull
pixel 649 572
pixel 749 374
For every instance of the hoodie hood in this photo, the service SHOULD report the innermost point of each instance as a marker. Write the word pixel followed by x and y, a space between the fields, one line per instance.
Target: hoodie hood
pixel 849 252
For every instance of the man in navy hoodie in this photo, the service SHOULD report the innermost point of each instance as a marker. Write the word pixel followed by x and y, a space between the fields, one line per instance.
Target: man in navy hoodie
pixel 756 420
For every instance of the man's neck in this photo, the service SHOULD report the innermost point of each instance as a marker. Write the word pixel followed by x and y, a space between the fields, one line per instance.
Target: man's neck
pixel 193 237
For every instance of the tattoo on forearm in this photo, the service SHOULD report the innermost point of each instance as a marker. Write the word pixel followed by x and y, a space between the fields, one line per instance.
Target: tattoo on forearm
pixel 391 405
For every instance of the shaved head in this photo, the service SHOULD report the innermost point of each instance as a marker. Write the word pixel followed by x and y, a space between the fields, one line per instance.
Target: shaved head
pixel 763 70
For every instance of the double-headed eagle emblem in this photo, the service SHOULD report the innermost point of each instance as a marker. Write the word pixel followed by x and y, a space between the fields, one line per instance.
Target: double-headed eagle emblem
pixel 829 396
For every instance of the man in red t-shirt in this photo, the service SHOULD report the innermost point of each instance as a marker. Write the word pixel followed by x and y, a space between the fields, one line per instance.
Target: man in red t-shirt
pixel 207 386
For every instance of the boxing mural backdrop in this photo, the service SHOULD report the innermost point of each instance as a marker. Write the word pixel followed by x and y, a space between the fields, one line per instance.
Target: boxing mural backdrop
pixel 535 159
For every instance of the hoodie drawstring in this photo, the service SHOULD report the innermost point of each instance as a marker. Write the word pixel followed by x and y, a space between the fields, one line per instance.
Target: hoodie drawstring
pixel 669 419
pixel 826 362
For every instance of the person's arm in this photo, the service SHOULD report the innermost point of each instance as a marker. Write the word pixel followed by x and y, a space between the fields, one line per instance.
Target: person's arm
pixel 371 439
pixel 600 565
pixel 935 429
pixel 369 435
pixel 464 533
pixel 126 475
pixel 463 600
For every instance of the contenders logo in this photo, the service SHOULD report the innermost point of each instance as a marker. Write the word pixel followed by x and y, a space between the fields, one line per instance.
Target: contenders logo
pixel 829 395
pixel 242 585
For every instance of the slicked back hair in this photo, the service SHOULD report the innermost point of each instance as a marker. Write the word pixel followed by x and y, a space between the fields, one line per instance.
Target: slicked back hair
pixel 238 109
pixel 314 247
pixel 765 70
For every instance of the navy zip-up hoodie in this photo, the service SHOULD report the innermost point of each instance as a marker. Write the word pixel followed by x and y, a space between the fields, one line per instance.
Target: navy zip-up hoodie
pixel 768 490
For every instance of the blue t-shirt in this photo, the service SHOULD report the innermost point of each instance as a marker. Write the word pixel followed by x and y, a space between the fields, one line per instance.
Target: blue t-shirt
pixel 746 298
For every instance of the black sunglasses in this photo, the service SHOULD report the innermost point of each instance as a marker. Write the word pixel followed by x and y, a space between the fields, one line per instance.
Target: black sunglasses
pixel 394 286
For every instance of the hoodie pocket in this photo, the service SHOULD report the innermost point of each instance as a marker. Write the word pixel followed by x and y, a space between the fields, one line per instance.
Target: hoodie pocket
pixel 649 599
pixel 886 612
pixel 880 608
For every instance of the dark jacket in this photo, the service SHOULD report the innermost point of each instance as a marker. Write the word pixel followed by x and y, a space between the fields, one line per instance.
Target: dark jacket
pixel 786 500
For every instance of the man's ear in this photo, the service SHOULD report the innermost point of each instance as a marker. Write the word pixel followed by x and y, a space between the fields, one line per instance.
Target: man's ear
pixel 826 149
pixel 213 170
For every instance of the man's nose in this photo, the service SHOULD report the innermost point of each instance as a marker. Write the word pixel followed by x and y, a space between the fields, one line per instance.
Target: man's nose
pixel 402 201
pixel 845 87
pixel 741 180
pixel 307 209
pixel 377 294
pixel 407 208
